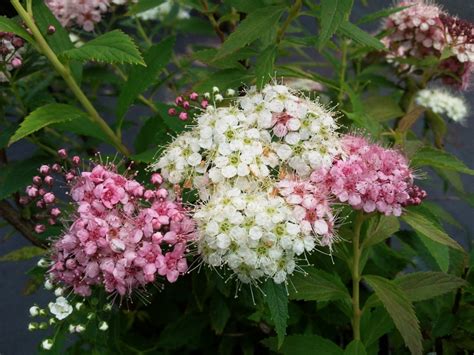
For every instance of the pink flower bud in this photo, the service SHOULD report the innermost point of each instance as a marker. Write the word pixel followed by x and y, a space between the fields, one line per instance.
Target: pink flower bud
pixel 16 63
pixel 49 180
pixel 40 204
pixel 183 116
pixel 55 212
pixel 76 160
pixel 179 100
pixel 40 228
pixel 18 42
pixel 69 176
pixel 51 221
pixel 24 200
pixel 162 193
pixel 194 96
pixel 204 103
pixel 37 180
pixel 56 168
pixel 44 169
pixel 186 105
pixel 149 194
pixel 42 192
pixel 32 191
pixel 49 197
pixel 51 29
pixel 172 111
pixel 156 179
pixel 62 153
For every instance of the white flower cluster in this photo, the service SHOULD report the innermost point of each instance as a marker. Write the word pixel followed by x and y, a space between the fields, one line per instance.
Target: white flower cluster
pixel 254 233
pixel 164 9
pixel 233 157
pixel 444 103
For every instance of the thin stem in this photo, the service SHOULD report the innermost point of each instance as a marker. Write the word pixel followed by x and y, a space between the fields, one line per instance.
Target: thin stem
pixel 142 32
pixel 294 11
pixel 342 73
pixel 67 76
pixel 212 20
pixel 356 312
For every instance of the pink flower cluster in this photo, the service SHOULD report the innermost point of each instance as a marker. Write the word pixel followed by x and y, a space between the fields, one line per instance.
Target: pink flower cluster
pixel 11 47
pixel 311 207
pixel 85 13
pixel 370 177
pixel 423 30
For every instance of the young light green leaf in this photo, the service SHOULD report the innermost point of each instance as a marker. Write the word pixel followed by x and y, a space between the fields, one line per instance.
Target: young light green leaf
pixel 318 285
pixel 421 224
pixel 360 36
pixel 111 47
pixel 23 253
pixel 400 309
pixel 264 65
pixel 9 25
pixel 439 252
pixel 380 228
pixel 333 12
pixel 304 345
pixel 439 159
pixel 420 286
pixel 277 300
pixel 140 78
pixel 254 26
pixel 355 347
pixel 44 116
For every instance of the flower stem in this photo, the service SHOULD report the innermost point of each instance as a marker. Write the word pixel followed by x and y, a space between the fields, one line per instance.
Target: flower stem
pixel 294 11
pixel 68 78
pixel 356 312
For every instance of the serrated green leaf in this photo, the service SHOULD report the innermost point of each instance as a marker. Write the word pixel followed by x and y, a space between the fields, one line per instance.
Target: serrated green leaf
pixel 9 25
pixel 318 285
pixel 374 324
pixel 441 213
pixel 219 314
pixel 141 78
pixel 23 253
pixel 304 345
pixel 253 27
pixel 111 47
pixel 400 309
pixel 360 36
pixel 83 126
pixel 333 12
pixel 45 116
pixel 382 108
pixel 421 224
pixel 264 65
pixel 355 347
pixel 420 286
pixel 439 252
pixel 277 301
pixel 245 5
pixel 439 159
pixel 380 228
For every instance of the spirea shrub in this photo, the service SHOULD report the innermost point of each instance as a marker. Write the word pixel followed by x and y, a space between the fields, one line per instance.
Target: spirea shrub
pixel 224 177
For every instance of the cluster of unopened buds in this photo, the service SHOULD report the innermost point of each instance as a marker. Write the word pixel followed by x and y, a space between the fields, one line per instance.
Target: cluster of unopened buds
pixel 185 105
pixel 11 47
pixel 422 30
pixel 121 234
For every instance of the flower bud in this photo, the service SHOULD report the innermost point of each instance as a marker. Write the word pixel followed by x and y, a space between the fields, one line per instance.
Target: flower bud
pixel 103 326
pixel 156 179
pixel 58 292
pixel 215 89
pixel 183 116
pixel 49 197
pixel 80 328
pixel 23 200
pixel 37 180
pixel 204 104
pixel 16 63
pixel 56 168
pixel 62 153
pixel 32 326
pixel 51 29
pixel 194 96
pixel 40 228
pixel 72 328
pixel 48 284
pixel 43 325
pixel 34 311
pixel 218 98
pixel 44 169
pixel 186 105
pixel 47 344
pixel 76 160
pixel 172 111
pixel 43 263
pixel 79 305
pixel 179 100
pixel 55 212
pixel 230 92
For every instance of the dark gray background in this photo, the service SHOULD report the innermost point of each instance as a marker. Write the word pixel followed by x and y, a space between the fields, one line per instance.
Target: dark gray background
pixel 15 339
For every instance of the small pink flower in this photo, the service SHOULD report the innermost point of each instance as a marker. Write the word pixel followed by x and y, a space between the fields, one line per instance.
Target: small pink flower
pixel 49 197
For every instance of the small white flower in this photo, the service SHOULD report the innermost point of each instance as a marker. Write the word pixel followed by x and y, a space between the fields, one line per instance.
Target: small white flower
pixel 59 291
pixel 34 311
pixel 47 344
pixel 230 92
pixel 72 328
pixel 61 308
pixel 218 97
pixel 48 284
pixel 80 328
pixel 103 326
pixel 215 89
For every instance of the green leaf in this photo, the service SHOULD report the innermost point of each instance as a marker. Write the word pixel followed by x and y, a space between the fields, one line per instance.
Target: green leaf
pixel 153 133
pixel 304 345
pixel 379 14
pixel 380 228
pixel 9 25
pixel 360 36
pixel 438 126
pixel 277 300
pixel 374 324
pixel 441 213
pixel 400 309
pixel 253 27
pixel 16 175
pixel 44 116
pixel 420 286
pixel 318 285
pixel 111 47
pixel 439 252
pixel 264 65
pixel 85 127
pixel 142 6
pixel 382 108
pixel 23 253
pixel 333 12
pixel 147 156
pixel 245 5
pixel 421 224
pixel 227 79
pixel 141 78
pixel 439 159
pixel 355 347
pixel 219 314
